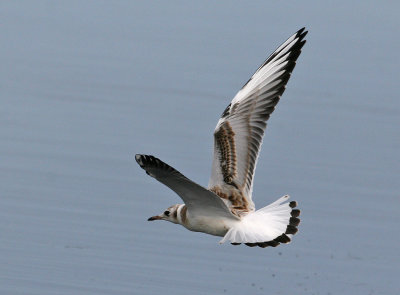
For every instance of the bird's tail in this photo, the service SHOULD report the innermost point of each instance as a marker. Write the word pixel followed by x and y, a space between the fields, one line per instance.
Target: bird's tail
pixel 269 226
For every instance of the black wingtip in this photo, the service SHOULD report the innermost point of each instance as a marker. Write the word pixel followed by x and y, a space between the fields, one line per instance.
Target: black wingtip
pixel 149 162
pixel 146 160
pixel 141 159
pixel 302 33
pixel 138 159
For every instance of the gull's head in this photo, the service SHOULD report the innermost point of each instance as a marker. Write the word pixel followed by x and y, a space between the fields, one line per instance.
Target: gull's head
pixel 170 214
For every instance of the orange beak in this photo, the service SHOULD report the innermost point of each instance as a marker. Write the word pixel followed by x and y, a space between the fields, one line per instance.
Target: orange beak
pixel 154 218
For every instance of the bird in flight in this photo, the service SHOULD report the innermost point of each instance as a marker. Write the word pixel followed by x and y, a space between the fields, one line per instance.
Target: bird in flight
pixel 226 207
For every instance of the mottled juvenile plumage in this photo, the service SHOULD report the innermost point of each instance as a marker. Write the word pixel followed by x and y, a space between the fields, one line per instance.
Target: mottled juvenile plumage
pixel 226 208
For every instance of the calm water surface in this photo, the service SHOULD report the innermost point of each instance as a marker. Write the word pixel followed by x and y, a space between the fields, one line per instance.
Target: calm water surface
pixel 86 86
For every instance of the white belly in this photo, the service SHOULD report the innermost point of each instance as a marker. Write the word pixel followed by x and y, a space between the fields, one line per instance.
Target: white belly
pixel 210 225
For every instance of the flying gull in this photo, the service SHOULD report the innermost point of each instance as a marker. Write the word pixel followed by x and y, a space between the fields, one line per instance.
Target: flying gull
pixel 226 207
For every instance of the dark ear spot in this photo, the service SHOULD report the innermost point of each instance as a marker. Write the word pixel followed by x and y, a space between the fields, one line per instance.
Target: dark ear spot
pixel 166 213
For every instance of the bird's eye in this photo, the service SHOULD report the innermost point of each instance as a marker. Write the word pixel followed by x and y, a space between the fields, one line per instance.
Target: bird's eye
pixel 166 213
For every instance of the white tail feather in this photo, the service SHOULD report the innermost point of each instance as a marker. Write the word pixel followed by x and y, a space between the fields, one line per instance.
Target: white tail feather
pixel 263 225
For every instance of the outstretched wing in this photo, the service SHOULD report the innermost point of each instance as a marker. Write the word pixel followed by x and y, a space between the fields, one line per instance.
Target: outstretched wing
pixel 199 200
pixel 239 132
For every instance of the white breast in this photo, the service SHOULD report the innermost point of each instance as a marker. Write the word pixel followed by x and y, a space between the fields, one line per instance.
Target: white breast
pixel 216 226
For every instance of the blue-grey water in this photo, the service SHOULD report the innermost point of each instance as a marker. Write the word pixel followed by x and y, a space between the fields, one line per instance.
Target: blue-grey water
pixel 86 85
